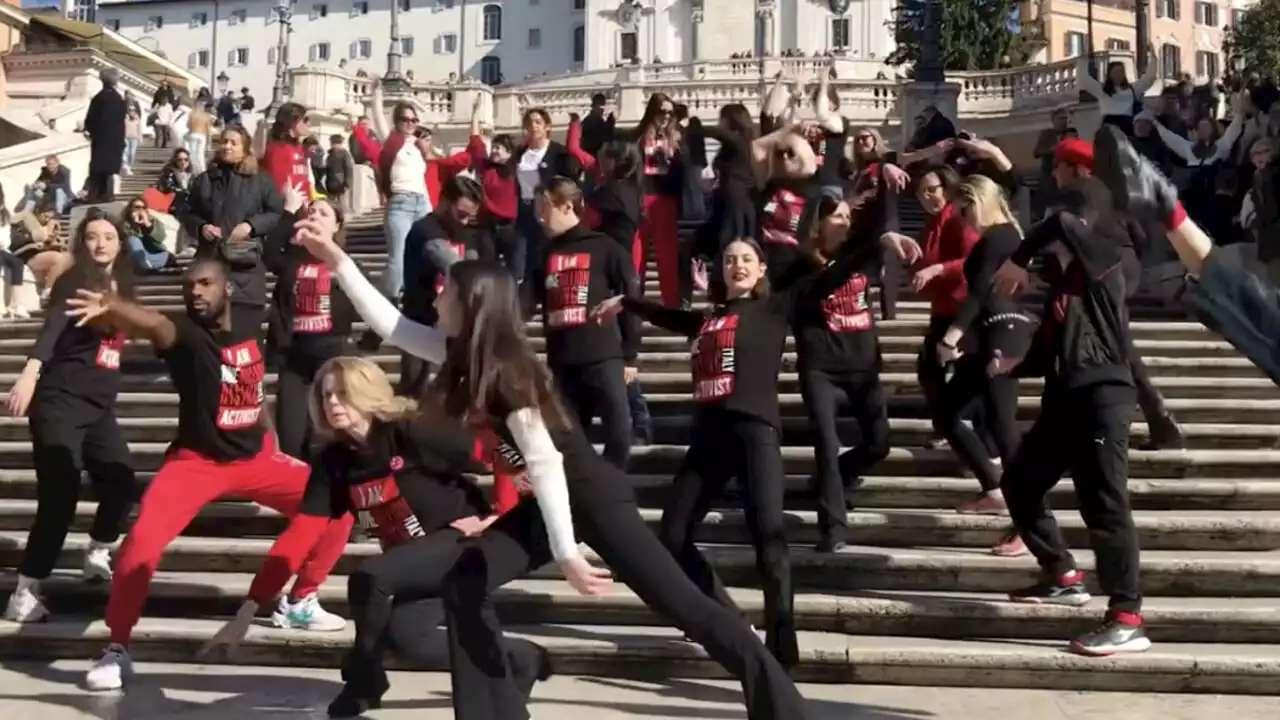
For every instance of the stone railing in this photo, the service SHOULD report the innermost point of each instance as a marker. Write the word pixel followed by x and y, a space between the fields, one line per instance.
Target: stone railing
pixel 1014 100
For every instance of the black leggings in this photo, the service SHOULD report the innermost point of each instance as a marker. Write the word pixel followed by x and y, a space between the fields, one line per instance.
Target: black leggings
pixel 395 606
pixel 823 393
pixel 971 393
pixel 606 517
pixel 1083 431
pixel 723 446
pixel 70 435
pixel 600 390
pixel 297 369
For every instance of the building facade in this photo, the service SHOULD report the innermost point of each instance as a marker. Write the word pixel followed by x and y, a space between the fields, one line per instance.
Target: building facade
pixel 1187 34
pixel 491 40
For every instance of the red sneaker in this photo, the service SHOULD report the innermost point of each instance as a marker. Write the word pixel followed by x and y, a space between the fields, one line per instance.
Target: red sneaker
pixel 991 503
pixel 1010 545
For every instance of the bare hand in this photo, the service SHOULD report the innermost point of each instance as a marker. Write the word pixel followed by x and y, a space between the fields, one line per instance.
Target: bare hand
pixel 230 636
pixel 87 306
pixel 607 309
pixel 907 249
pixel 472 525
pixel 924 276
pixel 316 234
pixel 1001 365
pixel 948 353
pixel 585 577
pixel 293 198
pixel 630 374
pixel 20 394
pixel 240 232
pixel 211 231
pixel 896 177
pixel 1010 278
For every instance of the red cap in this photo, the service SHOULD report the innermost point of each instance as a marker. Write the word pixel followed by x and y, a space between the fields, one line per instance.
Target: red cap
pixel 1074 151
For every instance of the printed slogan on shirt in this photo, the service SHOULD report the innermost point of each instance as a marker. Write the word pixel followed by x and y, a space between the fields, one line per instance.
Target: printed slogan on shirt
pixel 108 355
pixel 714 363
pixel 312 306
pixel 383 512
pixel 241 393
pixel 847 309
pixel 568 280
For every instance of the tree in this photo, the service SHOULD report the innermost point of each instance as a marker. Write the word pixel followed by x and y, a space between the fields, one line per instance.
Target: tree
pixel 1254 41
pixel 975 34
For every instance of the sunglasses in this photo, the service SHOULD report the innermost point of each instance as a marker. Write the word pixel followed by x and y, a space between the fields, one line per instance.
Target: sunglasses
pixel 137 207
pixel 407 119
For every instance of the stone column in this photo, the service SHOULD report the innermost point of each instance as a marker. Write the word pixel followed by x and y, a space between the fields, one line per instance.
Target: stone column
pixel 764 12
pixel 696 17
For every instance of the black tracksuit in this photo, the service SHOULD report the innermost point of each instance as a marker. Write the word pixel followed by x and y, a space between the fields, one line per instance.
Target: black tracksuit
pixel 74 428
pixel 404 486
pixel 991 323
pixel 580 269
pixel 311 323
pixel 1082 349
pixel 737 354
pixel 606 518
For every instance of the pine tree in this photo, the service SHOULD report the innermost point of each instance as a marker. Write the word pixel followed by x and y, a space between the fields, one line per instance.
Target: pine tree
pixel 1254 40
pixel 976 34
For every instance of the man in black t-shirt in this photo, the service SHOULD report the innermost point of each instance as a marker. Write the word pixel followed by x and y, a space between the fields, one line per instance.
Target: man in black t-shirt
pixel 221 449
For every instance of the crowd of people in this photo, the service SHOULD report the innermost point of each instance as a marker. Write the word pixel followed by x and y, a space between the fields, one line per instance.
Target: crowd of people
pixel 795 232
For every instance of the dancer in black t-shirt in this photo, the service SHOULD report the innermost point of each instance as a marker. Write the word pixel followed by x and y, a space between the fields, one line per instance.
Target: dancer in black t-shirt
pixel 69 384
pixel 221 449
pixel 491 380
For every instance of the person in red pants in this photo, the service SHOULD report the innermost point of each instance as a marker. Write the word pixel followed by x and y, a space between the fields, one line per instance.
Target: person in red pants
pixel 659 138
pixel 221 449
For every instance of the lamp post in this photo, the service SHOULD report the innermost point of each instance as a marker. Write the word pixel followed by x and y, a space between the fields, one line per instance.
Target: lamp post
pixel 284 14
pixel 1142 23
pixel 1093 64
pixel 223 81
pixel 929 68
pixel 394 83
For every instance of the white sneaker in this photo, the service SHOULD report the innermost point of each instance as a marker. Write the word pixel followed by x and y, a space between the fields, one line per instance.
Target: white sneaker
pixel 110 668
pixel 25 605
pixel 19 313
pixel 97 563
pixel 306 614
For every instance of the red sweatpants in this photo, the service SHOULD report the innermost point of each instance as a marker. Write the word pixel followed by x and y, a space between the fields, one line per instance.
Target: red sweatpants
pixel 659 221
pixel 505 492
pixel 185 483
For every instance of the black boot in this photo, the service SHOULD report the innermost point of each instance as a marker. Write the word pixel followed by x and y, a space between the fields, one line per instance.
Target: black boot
pixel 1163 434
pixel 1135 183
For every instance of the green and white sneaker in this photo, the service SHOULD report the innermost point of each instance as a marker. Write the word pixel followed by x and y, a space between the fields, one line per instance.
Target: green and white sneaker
pixel 306 614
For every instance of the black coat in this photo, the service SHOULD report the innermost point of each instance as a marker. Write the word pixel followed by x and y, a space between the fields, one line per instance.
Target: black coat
pixel 104 122
pixel 226 197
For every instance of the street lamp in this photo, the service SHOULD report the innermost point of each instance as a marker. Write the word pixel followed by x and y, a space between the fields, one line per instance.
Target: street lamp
pixel 1093 63
pixel 929 68
pixel 223 81
pixel 393 82
pixel 1143 25
pixel 284 14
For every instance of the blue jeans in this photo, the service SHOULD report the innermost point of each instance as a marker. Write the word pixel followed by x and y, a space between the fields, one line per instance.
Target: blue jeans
pixel 14 268
pixel 33 197
pixel 403 210
pixel 130 152
pixel 144 259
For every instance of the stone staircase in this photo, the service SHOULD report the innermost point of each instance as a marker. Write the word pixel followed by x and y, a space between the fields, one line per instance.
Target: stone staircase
pixel 917 600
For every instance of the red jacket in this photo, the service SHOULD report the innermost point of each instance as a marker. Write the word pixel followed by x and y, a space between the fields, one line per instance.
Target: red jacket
pixel 287 164
pixel 499 182
pixel 369 145
pixel 947 239
pixel 441 170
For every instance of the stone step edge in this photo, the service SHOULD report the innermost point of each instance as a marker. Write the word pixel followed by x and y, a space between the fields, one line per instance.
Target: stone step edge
pixel 646 651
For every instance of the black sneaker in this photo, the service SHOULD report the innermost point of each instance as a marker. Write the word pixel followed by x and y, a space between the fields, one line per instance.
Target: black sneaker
pixel 349 704
pixel 1119 633
pixel 1067 589
pixel 1164 434
pixel 1135 183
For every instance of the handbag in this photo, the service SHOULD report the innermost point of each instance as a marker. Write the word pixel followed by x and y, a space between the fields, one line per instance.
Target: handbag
pixel 245 255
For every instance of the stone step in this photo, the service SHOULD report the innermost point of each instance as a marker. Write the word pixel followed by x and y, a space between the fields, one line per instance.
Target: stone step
pixel 797 431
pixel 1220 495
pixel 957 616
pixel 657 652
pixel 680 384
pixel 1174 573
pixel 904 527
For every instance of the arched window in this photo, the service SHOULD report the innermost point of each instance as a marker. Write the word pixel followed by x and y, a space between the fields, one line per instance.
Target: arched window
pixel 492 22
pixel 491 70
pixel 579 44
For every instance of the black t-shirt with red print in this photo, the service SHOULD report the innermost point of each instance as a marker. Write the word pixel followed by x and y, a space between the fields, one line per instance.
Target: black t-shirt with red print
pixel 581 269
pixel 219 376
pixel 835 328
pixel 784 203
pixel 403 483
pixel 312 311
pixel 79 362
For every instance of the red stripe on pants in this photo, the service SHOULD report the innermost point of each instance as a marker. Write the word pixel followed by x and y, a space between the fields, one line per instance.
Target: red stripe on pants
pixel 505 492
pixel 659 221
pixel 185 483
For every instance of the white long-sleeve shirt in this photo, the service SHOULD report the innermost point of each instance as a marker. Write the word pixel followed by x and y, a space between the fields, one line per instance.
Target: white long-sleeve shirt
pixel 1120 102
pixel 544 462
pixel 1183 148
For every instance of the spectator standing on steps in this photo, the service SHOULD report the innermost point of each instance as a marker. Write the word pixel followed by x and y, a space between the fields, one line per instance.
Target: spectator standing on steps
pixel 340 173
pixel 199 128
pixel 132 137
pixel 104 123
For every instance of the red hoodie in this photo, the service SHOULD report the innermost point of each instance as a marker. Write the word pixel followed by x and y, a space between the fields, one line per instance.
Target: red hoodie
pixel 499 183
pixel 287 165
pixel 947 239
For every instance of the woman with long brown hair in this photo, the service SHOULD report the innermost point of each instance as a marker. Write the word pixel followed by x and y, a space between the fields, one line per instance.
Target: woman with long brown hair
pixel 659 138
pixel 69 385
pixel 284 158
pixel 492 381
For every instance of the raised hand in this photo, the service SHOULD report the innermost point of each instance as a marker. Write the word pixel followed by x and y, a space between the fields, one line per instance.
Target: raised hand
pixel 607 309
pixel 87 306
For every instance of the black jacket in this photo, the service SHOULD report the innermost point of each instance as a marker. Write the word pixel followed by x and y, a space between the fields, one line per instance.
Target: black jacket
pixel 225 197
pixel 557 162
pixel 104 122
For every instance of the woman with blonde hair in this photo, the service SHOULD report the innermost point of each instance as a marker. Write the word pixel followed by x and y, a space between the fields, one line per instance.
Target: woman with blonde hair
pixel 402 482
pixel 992 325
